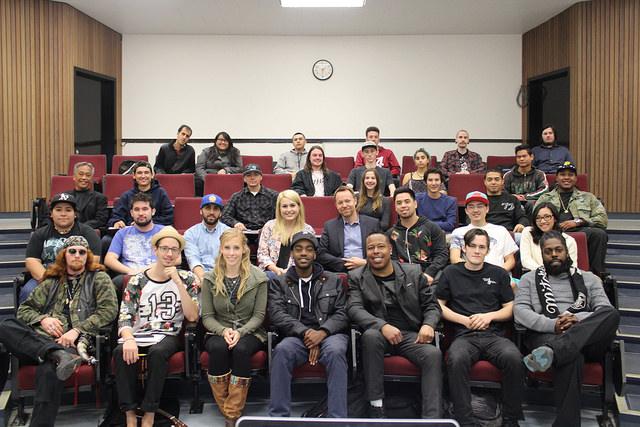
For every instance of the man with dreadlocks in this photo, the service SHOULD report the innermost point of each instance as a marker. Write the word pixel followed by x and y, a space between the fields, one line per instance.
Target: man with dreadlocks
pixel 569 319
pixel 75 298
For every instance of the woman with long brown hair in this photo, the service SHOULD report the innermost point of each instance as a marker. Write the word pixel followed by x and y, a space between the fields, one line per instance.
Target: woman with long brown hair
pixel 234 301
pixel 371 202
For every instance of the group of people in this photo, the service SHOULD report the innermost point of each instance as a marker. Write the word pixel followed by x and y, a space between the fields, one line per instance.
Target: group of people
pixel 404 279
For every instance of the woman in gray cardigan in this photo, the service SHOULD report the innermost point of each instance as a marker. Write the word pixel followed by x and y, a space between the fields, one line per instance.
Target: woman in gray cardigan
pixel 234 300
pixel 221 158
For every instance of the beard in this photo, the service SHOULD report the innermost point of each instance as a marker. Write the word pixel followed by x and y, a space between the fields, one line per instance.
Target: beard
pixel 143 223
pixel 75 268
pixel 210 221
pixel 555 269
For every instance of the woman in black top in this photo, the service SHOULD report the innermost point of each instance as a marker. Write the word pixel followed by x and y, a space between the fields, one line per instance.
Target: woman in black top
pixel 315 176
pixel 220 158
pixel 371 202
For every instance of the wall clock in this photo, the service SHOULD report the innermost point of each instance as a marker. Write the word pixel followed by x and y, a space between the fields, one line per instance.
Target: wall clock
pixel 322 69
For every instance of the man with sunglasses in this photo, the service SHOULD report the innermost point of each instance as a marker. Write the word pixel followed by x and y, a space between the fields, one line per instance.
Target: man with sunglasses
pixel 76 298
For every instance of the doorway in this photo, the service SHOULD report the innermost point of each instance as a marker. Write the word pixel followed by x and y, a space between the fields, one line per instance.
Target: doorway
pixel 95 114
pixel 548 103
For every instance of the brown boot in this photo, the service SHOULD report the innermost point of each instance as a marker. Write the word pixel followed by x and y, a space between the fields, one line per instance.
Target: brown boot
pixel 238 389
pixel 220 389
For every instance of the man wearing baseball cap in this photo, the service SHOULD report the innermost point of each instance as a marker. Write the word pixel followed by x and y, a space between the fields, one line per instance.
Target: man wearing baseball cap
pixel 369 153
pixel 45 242
pixel 580 211
pixel 502 248
pixel 254 205
pixel 157 300
pixel 385 157
pixel 313 324
pixel 75 298
pixel 203 239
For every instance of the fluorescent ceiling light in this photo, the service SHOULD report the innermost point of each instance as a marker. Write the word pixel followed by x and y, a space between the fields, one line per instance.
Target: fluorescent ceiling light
pixel 322 3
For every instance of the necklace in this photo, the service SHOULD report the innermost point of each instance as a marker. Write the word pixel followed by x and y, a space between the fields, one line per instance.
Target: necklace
pixel 565 208
pixel 62 230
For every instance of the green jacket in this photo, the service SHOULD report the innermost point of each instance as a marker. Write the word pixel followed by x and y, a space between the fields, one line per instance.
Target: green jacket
pixel 248 314
pixel 92 307
pixel 582 205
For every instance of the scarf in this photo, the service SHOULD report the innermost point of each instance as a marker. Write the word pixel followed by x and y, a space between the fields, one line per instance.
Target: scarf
pixel 547 300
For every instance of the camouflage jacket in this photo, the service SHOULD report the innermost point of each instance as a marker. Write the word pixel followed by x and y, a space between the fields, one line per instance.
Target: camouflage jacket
pixel 94 304
pixel 582 205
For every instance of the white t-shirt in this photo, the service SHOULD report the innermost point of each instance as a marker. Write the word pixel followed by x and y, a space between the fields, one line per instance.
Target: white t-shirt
pixel 501 243
pixel 318 183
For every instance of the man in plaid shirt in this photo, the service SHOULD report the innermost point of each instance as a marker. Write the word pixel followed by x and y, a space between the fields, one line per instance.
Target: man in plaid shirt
pixel 461 160
pixel 251 207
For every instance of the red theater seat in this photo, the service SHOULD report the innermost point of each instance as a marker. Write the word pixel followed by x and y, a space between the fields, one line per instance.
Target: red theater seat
pixel 279 182
pixel 408 165
pixel 319 210
pixel 583 251
pixel 59 184
pixel 341 165
pixel 223 185
pixel 186 213
pixel 115 185
pixel 177 185
pixel 461 184
pixel 502 162
pixel 265 162
pixel 582 184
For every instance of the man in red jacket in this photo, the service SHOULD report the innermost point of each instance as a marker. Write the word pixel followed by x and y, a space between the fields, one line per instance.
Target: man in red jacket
pixel 385 159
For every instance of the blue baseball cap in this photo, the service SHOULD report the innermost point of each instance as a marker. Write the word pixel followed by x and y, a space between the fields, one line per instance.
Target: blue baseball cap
pixel 212 199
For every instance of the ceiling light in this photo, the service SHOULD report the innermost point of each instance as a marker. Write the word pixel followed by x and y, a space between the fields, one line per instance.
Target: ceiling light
pixel 322 3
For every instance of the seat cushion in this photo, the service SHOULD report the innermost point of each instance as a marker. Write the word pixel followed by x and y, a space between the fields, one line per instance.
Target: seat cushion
pixel 309 371
pixel 258 360
pixel 592 374
pixel 400 366
pixel 84 375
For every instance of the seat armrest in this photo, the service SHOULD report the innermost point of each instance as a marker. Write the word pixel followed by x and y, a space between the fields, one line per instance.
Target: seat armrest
pixel 271 342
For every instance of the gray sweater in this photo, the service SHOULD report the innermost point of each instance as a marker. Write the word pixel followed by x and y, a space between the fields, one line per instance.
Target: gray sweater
pixel 527 309
pixel 291 161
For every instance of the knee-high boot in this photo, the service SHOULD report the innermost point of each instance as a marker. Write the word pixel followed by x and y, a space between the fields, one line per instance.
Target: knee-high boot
pixel 220 389
pixel 238 389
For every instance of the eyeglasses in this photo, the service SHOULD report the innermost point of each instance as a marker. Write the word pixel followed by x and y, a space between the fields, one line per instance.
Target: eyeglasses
pixel 166 250
pixel 544 218
pixel 80 252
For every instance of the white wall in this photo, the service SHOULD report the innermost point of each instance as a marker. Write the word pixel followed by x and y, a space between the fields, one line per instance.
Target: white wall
pixel 262 87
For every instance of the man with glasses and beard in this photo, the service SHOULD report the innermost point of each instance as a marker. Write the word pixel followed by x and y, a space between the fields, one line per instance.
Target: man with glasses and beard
pixel 130 251
pixel 203 239
pixel 156 301
pixel 569 319
pixel 76 298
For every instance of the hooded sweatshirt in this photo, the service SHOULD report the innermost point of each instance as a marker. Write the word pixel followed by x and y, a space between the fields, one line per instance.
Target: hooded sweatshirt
pixel 423 243
pixel 161 203
pixel 291 161
pixel 531 184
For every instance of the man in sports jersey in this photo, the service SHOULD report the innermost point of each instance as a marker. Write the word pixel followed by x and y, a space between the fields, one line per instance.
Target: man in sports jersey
pixel 154 305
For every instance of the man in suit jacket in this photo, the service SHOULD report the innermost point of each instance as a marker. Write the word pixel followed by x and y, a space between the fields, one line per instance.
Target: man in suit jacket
pixel 342 245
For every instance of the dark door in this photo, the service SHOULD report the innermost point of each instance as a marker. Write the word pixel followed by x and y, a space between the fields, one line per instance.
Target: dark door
pixel 548 98
pixel 95 114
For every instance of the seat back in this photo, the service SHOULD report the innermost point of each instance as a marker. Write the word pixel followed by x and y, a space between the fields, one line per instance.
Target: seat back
pixel 319 210
pixel 265 162
pixel 59 184
pixel 119 158
pixel 99 162
pixel 114 185
pixel 341 165
pixel 501 162
pixel 582 184
pixel 462 184
pixel 279 182
pixel 177 185
pixel 186 213
pixel 223 185
pixel 583 251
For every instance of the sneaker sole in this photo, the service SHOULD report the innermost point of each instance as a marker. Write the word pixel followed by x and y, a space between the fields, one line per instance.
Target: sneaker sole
pixel 64 371
pixel 538 360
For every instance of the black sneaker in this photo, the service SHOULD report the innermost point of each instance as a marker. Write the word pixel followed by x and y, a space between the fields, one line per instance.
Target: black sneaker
pixel 376 412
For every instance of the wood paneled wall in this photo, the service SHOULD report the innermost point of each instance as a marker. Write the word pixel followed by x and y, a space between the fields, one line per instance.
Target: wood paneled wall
pixel 599 41
pixel 41 43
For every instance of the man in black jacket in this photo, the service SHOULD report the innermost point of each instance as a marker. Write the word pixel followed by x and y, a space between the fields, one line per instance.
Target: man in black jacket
pixel 504 208
pixel 398 314
pixel 307 308
pixel 177 157
pixel 415 239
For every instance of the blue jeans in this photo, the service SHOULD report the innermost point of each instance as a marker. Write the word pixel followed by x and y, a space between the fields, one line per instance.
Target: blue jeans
pixel 26 290
pixel 290 353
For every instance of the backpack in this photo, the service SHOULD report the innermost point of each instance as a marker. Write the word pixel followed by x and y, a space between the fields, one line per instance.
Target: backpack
pixel 357 405
pixel 126 167
pixel 487 408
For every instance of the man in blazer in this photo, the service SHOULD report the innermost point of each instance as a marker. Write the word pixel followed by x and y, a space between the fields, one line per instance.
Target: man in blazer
pixel 398 313
pixel 342 245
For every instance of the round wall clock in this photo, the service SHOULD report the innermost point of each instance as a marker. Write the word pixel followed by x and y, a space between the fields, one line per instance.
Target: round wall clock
pixel 322 69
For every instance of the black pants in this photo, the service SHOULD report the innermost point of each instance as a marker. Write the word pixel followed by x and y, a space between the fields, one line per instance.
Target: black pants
pixel 597 239
pixel 31 348
pixel 426 356
pixel 157 366
pixel 238 359
pixel 586 340
pixel 500 351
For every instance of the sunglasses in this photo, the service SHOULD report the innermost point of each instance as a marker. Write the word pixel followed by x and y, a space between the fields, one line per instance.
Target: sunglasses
pixel 80 252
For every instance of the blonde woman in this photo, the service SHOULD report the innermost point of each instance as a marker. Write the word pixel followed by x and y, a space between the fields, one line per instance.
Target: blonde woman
pixel 234 300
pixel 274 253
